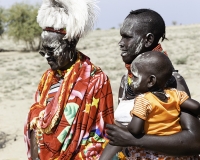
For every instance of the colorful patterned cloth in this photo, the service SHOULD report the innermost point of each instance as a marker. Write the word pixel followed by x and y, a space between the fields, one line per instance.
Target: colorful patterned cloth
pixel 72 124
pixel 136 153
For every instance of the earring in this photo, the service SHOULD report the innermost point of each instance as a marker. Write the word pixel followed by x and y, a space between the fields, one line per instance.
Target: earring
pixel 71 57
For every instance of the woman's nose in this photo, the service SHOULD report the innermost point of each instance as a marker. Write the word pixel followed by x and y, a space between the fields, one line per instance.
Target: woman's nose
pixel 121 44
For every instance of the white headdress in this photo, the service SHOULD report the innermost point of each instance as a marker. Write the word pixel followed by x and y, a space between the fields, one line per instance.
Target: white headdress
pixel 70 17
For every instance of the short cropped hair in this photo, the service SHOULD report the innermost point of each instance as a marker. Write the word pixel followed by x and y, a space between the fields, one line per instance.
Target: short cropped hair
pixel 155 63
pixel 154 22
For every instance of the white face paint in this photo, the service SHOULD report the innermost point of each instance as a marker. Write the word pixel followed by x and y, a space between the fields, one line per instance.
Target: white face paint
pixel 136 81
pixel 51 43
pixel 139 45
pixel 54 44
pixel 55 51
pixel 44 33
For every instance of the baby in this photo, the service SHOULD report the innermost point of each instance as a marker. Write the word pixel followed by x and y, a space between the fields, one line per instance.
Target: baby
pixel 156 109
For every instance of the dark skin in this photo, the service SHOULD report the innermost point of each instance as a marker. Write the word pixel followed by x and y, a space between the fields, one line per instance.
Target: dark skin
pixel 122 137
pixel 147 79
pixel 56 51
pixel 181 84
pixel 119 136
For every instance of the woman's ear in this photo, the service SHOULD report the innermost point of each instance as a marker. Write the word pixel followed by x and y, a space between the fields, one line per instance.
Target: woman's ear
pixel 151 81
pixel 149 39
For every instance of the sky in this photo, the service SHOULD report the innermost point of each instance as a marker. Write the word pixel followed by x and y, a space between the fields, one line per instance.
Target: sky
pixel 113 12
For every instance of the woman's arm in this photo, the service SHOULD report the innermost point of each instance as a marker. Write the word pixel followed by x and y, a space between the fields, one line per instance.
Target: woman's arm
pixel 121 88
pixel 192 106
pixel 186 142
pixel 109 152
pixel 33 145
pixel 181 84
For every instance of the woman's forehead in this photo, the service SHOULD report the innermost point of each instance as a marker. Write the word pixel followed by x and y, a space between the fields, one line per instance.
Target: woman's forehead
pixel 129 23
pixel 46 35
pixel 131 26
pixel 50 38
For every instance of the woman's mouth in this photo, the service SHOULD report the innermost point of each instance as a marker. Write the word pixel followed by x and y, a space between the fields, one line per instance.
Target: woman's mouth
pixel 50 60
pixel 124 53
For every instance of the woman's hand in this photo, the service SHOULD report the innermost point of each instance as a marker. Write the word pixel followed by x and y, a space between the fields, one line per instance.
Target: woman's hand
pixel 119 136
pixel 187 141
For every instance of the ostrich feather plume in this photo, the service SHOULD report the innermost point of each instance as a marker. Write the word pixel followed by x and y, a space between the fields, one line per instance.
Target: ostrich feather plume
pixel 76 16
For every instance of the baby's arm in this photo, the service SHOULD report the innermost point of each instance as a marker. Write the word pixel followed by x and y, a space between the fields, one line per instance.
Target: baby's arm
pixel 139 115
pixel 136 126
pixel 192 106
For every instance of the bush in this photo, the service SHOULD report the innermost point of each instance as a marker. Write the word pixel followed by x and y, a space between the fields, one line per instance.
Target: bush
pixel 22 25
pixel 181 60
pixel 2 21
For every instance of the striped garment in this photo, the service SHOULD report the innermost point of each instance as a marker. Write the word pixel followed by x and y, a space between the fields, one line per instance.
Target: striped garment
pixel 56 82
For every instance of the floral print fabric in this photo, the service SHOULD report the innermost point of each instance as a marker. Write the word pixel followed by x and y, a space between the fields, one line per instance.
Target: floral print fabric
pixel 72 125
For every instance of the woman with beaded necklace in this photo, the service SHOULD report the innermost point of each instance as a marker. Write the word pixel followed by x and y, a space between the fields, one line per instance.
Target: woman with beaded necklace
pixel 142 31
pixel 74 99
pixel 156 109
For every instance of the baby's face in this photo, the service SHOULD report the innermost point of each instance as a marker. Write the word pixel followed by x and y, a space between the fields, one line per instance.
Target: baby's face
pixel 139 79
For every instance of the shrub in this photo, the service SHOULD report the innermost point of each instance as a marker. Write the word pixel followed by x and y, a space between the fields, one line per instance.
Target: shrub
pixel 181 60
pixel 22 24
pixel 2 20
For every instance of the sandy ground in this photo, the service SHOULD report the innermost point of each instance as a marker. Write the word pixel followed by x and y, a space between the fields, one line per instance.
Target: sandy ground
pixel 21 71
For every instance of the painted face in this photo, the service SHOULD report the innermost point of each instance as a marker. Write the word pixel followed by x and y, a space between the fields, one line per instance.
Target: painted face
pixel 139 79
pixel 132 41
pixel 55 50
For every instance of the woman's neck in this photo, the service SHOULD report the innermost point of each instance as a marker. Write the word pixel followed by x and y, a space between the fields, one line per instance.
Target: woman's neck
pixel 68 66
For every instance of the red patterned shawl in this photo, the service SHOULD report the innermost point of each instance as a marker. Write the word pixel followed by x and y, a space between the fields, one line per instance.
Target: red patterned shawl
pixel 72 125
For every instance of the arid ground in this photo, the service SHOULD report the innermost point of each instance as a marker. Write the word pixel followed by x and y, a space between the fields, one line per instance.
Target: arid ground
pixel 21 71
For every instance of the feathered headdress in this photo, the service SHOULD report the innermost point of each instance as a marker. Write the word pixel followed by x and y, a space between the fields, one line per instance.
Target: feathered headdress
pixel 70 17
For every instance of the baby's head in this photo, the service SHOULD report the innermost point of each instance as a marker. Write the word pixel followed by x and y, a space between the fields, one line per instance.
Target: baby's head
pixel 151 70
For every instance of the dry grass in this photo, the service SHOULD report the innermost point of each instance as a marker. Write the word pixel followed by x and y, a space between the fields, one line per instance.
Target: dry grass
pixel 21 72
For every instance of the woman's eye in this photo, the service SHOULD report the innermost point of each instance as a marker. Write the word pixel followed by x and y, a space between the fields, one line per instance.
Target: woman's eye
pixel 50 49
pixel 127 37
pixel 42 53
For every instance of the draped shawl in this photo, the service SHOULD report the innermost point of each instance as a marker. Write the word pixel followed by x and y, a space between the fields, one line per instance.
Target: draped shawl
pixel 72 125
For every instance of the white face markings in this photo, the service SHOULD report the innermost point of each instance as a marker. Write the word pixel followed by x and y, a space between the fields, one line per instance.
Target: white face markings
pixel 142 56
pixel 139 45
pixel 135 83
pixel 55 44
pixel 44 33
pixel 52 43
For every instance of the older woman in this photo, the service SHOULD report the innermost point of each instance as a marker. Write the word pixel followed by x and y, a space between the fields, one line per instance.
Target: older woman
pixel 74 98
